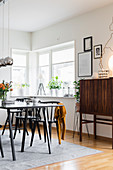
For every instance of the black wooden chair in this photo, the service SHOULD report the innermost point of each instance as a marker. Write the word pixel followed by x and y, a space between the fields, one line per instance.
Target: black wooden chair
pixel 21 118
pixel 1 148
pixel 40 119
pixel 13 112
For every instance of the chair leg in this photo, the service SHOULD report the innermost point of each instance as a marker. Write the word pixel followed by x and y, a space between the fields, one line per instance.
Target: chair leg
pixel 44 127
pixel 16 126
pixel 1 148
pixel 12 119
pixel 5 125
pixel 26 129
pixel 38 127
pixel 30 124
pixel 57 128
pixel 50 130
pixel 33 132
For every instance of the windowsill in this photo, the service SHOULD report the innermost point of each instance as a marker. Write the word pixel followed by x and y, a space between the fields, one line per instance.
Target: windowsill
pixel 43 96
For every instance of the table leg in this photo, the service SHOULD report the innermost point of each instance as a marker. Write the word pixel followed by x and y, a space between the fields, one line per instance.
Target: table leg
pixel 80 126
pixel 24 131
pixel 11 136
pixel 47 130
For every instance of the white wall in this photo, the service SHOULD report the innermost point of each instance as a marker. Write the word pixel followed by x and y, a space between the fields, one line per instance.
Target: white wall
pixel 18 40
pixel 94 24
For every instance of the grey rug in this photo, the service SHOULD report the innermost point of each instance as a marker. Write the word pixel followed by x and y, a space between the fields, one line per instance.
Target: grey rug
pixel 37 155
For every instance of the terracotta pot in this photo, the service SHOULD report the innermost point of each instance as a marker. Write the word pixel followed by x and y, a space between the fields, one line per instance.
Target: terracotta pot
pixel 77 107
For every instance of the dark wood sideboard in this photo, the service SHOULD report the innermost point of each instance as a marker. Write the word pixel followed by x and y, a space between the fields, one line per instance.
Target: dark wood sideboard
pixel 96 98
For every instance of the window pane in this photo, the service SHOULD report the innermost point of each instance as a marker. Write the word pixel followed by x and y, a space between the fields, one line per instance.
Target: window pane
pixel 19 59
pixel 65 72
pixel 44 77
pixel 19 75
pixel 44 59
pixel 63 56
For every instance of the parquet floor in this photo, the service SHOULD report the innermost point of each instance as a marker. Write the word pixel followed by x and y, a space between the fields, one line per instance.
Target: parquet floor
pixel 102 161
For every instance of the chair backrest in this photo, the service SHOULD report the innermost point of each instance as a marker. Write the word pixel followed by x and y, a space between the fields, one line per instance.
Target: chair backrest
pixel 50 110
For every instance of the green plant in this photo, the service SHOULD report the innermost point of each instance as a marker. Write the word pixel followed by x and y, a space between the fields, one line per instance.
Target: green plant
pixel 55 83
pixel 25 85
pixel 18 85
pixel 77 87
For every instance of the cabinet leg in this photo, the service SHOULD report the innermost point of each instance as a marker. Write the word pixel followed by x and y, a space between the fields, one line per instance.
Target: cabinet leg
pixel 112 132
pixel 80 126
pixel 95 126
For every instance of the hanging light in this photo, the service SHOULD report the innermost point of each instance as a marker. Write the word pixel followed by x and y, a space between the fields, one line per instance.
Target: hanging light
pixel 2 61
pixel 8 60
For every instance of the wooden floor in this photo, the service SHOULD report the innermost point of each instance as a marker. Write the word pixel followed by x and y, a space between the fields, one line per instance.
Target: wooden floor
pixel 101 161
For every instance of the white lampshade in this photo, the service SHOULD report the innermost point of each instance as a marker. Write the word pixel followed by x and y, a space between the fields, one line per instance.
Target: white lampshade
pixel 110 64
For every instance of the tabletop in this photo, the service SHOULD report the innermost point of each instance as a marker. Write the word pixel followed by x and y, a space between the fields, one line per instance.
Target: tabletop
pixel 24 105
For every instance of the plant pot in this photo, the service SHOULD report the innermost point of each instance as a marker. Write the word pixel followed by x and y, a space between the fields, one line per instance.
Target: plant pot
pixel 77 107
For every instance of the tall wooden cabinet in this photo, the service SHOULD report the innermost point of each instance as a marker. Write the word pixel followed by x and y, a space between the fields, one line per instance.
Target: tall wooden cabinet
pixel 96 98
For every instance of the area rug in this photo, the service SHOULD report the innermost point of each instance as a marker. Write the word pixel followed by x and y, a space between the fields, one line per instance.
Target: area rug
pixel 37 155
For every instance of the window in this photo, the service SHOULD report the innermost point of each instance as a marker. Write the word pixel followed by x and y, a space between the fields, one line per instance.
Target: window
pixel 57 62
pixel 44 70
pixel 19 70
pixel 63 66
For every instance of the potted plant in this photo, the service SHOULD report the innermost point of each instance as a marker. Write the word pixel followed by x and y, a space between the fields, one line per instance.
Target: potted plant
pixel 5 87
pixel 21 88
pixel 55 84
pixel 77 95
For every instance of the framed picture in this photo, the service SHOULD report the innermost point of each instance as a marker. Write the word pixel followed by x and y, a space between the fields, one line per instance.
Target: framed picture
pixel 85 64
pixel 98 51
pixel 87 43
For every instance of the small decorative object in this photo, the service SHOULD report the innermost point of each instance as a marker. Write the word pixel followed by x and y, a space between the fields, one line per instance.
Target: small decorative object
pixel 97 51
pixel 85 64
pixel 103 73
pixel 87 43
pixel 77 95
pixel 4 88
pixel 55 84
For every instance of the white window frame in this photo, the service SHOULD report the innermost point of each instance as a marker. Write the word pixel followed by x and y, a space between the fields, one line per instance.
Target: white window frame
pixel 55 49
pixel 23 52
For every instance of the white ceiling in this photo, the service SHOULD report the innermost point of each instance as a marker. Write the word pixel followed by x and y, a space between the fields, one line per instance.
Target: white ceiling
pixel 32 15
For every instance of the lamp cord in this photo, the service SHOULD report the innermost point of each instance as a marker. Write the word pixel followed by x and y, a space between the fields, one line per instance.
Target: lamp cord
pixel 105 47
pixel 3 30
pixel 8 29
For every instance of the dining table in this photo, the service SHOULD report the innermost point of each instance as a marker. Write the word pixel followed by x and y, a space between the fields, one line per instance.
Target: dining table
pixel 26 107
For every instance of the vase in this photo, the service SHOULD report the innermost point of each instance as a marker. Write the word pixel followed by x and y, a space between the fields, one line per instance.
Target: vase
pixel 56 92
pixel 3 97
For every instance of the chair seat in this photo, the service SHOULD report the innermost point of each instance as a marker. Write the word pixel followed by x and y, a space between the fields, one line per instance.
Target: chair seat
pixel 15 111
pixel 23 117
pixel 42 120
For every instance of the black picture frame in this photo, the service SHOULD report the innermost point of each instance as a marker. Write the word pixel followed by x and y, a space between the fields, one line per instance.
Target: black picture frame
pixel 98 51
pixel 85 64
pixel 88 43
